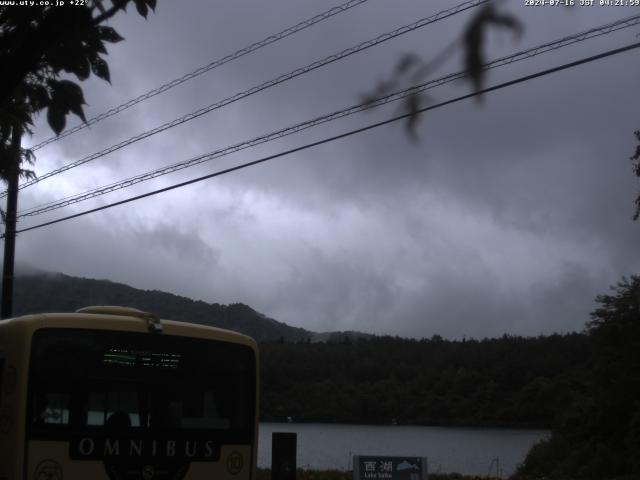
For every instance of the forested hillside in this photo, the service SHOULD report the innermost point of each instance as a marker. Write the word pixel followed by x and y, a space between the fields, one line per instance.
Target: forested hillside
pixel 508 381
pixel 55 292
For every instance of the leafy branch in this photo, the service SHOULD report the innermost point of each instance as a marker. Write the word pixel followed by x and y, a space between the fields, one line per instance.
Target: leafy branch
pixel 38 46
pixel 411 69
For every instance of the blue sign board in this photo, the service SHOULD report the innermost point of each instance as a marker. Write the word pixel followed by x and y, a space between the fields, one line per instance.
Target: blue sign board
pixel 389 468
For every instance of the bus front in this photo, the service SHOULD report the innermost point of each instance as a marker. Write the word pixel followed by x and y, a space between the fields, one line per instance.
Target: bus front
pixel 122 405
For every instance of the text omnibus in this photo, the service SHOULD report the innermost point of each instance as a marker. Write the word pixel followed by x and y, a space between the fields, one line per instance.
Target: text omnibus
pixel 115 393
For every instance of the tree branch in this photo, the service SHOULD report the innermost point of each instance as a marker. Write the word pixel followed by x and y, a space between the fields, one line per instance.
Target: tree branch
pixel 117 6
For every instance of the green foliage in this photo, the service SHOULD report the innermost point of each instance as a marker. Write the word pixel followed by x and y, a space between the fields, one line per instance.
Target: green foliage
pixel 474 39
pixel 65 97
pixel 599 436
pixel 555 450
pixel 40 44
pixel 411 70
pixel 509 381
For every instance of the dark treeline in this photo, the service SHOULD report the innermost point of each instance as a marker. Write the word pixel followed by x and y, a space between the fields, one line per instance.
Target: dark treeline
pixel 508 381
pixel 598 436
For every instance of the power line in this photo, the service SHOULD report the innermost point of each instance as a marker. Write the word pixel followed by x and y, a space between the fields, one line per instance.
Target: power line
pixel 522 55
pixel 282 78
pixel 206 68
pixel 342 135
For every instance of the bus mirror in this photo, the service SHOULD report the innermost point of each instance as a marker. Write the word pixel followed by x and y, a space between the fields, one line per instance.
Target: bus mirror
pixel 153 323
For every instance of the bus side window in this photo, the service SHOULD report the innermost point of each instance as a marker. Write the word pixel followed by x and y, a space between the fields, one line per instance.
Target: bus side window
pixel 51 408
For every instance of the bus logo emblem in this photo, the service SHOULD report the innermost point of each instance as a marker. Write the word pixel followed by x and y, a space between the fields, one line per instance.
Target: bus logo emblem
pixel 148 472
pixel 234 463
pixel 48 470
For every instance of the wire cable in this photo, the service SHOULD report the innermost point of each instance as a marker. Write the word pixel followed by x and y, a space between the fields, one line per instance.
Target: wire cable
pixel 282 78
pixel 395 96
pixel 206 68
pixel 340 136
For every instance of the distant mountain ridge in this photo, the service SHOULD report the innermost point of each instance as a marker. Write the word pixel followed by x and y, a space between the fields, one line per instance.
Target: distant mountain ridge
pixel 38 292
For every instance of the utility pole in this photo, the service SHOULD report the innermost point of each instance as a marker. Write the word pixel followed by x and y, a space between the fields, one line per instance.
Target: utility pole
pixel 13 172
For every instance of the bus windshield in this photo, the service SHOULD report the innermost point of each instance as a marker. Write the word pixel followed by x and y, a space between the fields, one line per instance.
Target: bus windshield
pixel 138 383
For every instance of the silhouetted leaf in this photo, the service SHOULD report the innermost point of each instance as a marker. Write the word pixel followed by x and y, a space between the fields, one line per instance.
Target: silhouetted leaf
pixel 77 109
pixel 152 4
pixel 80 67
pixel 95 44
pixel 99 5
pixel 101 69
pixel 56 117
pixel 413 103
pixel 39 97
pixel 67 97
pixel 406 62
pixel 141 6
pixel 65 91
pixel 27 174
pixel 474 39
pixel 28 156
pixel 56 59
pixel 108 34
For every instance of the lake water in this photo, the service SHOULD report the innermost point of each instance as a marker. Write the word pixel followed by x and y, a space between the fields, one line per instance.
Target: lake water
pixel 464 450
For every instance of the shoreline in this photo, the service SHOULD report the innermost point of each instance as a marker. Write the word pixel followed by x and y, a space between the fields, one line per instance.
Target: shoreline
pixel 302 474
pixel 461 427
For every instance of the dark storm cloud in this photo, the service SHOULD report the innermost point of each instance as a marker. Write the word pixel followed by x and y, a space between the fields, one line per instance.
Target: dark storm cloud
pixel 155 257
pixel 187 247
pixel 504 218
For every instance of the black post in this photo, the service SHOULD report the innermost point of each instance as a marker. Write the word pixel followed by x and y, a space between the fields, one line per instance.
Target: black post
pixel 283 456
pixel 13 169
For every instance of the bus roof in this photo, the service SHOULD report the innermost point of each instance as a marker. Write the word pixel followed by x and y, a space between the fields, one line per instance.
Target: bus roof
pixel 125 319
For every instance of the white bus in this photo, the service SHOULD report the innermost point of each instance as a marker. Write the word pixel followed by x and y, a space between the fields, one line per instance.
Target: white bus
pixel 116 393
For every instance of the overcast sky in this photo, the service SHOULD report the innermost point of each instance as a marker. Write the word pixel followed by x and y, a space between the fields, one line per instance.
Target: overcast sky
pixel 505 217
